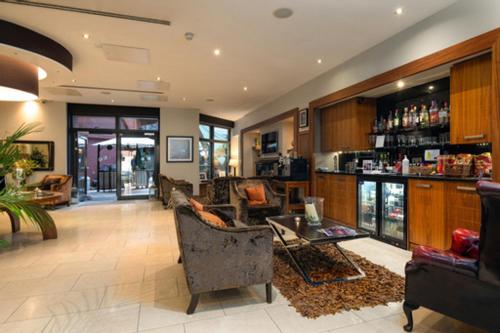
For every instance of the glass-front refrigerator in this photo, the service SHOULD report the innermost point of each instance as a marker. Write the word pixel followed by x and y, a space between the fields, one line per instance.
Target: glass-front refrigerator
pixel 367 206
pixel 382 208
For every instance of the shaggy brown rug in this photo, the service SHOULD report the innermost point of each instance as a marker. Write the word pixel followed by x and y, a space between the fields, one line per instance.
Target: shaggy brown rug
pixel 380 285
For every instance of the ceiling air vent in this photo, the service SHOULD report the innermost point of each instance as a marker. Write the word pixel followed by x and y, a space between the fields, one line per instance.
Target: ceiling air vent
pixel 134 55
pixel 62 91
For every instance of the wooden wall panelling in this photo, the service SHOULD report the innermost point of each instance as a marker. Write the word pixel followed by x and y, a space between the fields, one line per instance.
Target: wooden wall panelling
pixel 495 128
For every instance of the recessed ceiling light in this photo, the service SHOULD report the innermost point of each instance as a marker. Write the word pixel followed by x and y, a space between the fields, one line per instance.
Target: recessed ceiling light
pixel 86 36
pixel 184 99
pixel 319 61
pixel 158 78
pixel 431 87
pixel 400 84
pixel 398 11
pixel 283 13
pixel 189 35
pixel 74 80
pixel 42 74
pixel 210 100
pixel 217 52
pixel 245 88
pixel 112 101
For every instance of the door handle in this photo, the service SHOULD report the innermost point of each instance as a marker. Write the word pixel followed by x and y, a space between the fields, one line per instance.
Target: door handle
pixel 474 137
pixel 466 188
pixel 424 185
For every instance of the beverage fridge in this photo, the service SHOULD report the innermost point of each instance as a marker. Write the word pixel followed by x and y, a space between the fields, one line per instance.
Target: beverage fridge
pixel 382 208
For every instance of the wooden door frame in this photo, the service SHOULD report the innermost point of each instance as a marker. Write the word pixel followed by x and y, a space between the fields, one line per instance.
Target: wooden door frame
pixel 489 41
pixel 290 113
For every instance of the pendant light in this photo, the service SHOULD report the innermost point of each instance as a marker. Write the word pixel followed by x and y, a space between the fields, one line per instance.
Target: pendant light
pixel 18 80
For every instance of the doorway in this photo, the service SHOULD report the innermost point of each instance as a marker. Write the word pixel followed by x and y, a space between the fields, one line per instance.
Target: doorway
pixel 114 155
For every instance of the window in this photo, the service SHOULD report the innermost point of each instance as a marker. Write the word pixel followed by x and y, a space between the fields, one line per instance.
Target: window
pixel 141 124
pixel 214 151
pixel 94 122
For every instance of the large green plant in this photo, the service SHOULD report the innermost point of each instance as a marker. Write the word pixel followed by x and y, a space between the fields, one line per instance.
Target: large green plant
pixel 10 199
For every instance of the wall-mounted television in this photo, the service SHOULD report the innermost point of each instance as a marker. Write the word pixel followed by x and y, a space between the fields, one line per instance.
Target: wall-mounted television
pixel 270 143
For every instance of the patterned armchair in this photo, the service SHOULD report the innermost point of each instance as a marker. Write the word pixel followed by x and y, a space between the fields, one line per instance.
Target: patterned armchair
pixel 220 188
pixel 253 214
pixel 218 258
pixel 168 183
pixel 464 281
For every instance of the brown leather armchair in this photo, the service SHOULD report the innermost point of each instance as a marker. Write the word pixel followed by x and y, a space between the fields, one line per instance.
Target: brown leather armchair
pixel 216 258
pixel 464 281
pixel 56 183
pixel 256 214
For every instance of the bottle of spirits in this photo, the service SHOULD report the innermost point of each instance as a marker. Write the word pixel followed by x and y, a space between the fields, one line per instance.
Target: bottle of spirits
pixel 397 119
pixel 381 125
pixel 406 118
pixel 414 119
pixel 390 122
pixel 434 113
pixel 424 116
pixel 447 110
pixel 375 126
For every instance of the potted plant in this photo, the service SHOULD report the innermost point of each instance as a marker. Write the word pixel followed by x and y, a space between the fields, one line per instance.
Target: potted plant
pixel 10 198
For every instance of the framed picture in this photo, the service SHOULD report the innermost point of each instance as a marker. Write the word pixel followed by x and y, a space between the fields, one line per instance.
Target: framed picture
pixel 179 149
pixel 41 152
pixel 303 118
pixel 203 176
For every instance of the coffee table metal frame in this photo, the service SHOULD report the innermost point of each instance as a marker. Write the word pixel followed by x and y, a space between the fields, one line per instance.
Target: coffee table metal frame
pixel 275 225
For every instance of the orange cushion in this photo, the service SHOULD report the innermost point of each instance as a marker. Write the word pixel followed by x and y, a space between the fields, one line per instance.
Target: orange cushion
pixel 256 195
pixel 196 205
pixel 212 219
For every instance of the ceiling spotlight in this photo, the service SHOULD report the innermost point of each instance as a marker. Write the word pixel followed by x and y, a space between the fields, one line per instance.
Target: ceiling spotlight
pixel 74 80
pixel 398 11
pixel 319 61
pixel 158 78
pixel 112 101
pixel 217 52
pixel 283 13
pixel 189 36
pixel 42 74
pixel 245 88
pixel 86 36
pixel 184 99
pixel 400 84
pixel 431 87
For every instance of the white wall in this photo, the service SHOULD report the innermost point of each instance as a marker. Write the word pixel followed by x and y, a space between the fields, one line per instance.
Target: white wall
pixel 456 23
pixel 52 116
pixel 183 122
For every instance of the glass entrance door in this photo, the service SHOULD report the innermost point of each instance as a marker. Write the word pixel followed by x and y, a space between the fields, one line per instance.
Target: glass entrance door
pixel 138 160
pixel 81 140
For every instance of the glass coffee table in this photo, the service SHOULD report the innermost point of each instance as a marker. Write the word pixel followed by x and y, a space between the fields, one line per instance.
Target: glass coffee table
pixel 328 232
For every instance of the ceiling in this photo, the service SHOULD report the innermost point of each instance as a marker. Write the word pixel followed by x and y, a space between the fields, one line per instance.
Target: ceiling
pixel 270 56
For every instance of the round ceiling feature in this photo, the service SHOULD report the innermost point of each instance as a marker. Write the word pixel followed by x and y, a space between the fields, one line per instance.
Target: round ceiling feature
pixel 19 80
pixel 42 74
pixel 217 52
pixel 398 11
pixel 283 13
pixel 86 36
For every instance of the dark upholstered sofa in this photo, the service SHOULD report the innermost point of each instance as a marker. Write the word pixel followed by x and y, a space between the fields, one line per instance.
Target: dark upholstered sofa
pixel 255 214
pixel 217 258
pixel 464 281
pixel 219 189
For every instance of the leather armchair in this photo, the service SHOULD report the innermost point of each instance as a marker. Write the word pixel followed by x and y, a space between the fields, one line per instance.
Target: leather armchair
pixel 464 281
pixel 167 184
pixel 221 258
pixel 256 214
pixel 56 183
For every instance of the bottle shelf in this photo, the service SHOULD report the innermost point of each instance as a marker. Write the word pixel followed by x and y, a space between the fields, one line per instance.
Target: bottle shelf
pixel 407 130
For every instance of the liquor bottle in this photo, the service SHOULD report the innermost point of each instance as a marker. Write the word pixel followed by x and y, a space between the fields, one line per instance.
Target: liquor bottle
pixel 413 116
pixel 424 116
pixel 390 122
pixel 381 125
pixel 406 118
pixel 375 126
pixel 434 113
pixel 397 119
pixel 447 111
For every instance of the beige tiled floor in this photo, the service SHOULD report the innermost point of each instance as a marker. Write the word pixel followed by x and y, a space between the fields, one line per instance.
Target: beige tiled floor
pixel 113 269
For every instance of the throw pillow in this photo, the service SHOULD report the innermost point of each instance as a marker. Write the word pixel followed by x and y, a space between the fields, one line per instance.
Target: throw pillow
pixel 212 219
pixel 196 205
pixel 256 195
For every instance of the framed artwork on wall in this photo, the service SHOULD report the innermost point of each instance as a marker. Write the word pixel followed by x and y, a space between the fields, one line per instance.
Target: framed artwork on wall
pixel 179 149
pixel 40 152
pixel 303 118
